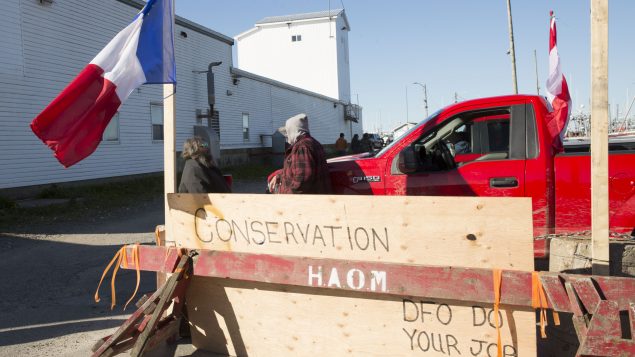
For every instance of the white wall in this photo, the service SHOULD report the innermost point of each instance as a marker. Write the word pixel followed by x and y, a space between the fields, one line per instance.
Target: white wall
pixel 11 39
pixel 58 40
pixel 270 105
pixel 312 63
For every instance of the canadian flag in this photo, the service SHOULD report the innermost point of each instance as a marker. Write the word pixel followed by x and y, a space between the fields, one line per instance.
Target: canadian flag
pixel 557 91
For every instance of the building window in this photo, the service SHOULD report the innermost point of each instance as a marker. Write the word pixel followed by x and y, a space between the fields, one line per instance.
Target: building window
pixel 156 114
pixel 111 133
pixel 245 126
pixel 296 38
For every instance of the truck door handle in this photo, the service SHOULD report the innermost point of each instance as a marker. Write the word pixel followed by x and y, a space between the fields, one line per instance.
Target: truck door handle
pixel 503 182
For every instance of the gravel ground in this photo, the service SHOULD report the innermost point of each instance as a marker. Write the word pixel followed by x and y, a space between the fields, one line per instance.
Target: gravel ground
pixel 49 273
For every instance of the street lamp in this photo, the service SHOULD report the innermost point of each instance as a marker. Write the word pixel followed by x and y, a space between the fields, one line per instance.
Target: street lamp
pixel 425 96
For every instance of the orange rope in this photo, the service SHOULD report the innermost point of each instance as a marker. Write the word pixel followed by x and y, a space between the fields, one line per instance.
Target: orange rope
pixel 135 258
pixel 497 278
pixel 121 258
pixel 539 301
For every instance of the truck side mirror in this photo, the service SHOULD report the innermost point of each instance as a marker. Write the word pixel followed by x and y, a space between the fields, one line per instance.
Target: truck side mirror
pixel 407 161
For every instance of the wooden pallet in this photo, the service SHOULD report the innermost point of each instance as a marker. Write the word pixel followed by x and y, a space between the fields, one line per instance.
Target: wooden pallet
pixel 147 327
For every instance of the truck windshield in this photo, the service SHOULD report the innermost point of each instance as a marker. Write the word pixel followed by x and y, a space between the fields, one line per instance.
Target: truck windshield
pixel 395 140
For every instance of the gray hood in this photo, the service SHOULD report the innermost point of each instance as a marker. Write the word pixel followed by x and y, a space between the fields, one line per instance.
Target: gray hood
pixel 294 127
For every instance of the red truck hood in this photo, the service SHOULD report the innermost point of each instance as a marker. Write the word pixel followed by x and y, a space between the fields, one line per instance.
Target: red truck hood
pixel 349 157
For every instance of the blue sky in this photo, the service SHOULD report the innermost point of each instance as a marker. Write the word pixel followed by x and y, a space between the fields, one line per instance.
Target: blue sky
pixel 451 46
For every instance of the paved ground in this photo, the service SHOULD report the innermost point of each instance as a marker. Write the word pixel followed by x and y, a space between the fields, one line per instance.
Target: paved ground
pixel 49 273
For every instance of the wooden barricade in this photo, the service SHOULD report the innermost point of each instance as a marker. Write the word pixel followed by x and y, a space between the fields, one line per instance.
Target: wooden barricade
pixel 252 317
pixel 603 308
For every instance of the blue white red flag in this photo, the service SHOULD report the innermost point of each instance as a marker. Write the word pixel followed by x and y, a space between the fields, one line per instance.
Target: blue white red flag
pixel 72 125
pixel 557 91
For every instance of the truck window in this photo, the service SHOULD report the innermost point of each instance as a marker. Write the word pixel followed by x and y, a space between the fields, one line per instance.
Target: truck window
pixel 498 135
pixel 467 137
pixel 461 139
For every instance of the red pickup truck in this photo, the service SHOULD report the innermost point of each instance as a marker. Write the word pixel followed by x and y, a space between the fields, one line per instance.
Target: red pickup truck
pixel 495 147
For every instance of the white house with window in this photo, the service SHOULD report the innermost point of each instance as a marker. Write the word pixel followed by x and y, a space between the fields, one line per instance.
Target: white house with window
pixel 46 44
pixel 308 51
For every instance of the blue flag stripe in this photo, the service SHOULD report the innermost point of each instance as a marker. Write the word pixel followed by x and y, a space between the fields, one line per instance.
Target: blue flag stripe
pixel 156 43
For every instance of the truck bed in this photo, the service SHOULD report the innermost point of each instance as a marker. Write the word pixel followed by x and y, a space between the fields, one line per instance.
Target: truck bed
pixel 615 144
pixel 573 186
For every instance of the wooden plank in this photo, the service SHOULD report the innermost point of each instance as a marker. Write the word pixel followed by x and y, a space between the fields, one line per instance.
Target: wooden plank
pixel 618 289
pixel 578 318
pixel 239 318
pixel 159 233
pixel 164 299
pixel 469 284
pixel 604 336
pixel 586 292
pixel 599 136
pixel 164 262
pixel 168 330
pixel 479 232
pixel 169 149
pixel 124 331
pixel 557 296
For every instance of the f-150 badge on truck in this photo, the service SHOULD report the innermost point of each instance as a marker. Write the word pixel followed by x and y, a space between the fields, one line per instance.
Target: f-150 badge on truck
pixel 357 179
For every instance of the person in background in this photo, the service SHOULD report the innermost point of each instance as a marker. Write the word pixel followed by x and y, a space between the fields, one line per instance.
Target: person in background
pixel 365 144
pixel 304 169
pixel 341 145
pixel 355 145
pixel 200 175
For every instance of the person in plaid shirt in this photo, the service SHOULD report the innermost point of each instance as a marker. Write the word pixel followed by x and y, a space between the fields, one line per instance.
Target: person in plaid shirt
pixel 305 169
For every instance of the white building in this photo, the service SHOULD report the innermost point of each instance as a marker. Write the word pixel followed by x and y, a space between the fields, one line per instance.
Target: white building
pixel 401 129
pixel 309 51
pixel 45 45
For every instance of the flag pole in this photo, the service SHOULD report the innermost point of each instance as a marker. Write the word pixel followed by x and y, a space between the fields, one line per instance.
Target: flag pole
pixel 169 146
pixel 599 137
pixel 512 51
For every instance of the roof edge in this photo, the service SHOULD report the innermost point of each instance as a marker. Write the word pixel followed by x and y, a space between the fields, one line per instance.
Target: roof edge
pixel 319 15
pixel 139 4
pixel 242 73
pixel 246 33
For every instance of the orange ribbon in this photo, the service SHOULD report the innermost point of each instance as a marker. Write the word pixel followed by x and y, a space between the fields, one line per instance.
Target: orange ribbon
pixel 122 259
pixel 539 301
pixel 497 276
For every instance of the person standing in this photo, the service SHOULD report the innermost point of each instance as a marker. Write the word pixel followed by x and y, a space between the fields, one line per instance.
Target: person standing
pixel 200 175
pixel 341 145
pixel 365 144
pixel 355 144
pixel 304 169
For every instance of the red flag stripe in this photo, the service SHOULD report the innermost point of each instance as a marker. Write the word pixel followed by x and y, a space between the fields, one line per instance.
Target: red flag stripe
pixel 73 123
pixel 552 33
pixel 557 91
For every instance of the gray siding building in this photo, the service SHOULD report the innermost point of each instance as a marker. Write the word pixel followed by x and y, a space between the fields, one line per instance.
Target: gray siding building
pixel 45 45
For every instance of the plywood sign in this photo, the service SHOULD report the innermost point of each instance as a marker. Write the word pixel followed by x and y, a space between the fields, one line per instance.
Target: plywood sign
pixel 258 319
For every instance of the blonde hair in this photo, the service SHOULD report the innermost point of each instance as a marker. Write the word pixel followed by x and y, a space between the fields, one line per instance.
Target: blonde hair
pixel 196 148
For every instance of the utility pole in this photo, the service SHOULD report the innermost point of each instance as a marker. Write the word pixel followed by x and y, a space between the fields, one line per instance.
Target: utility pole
pixel 536 65
pixel 456 97
pixel 512 53
pixel 599 137
pixel 425 96
pixel 407 117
